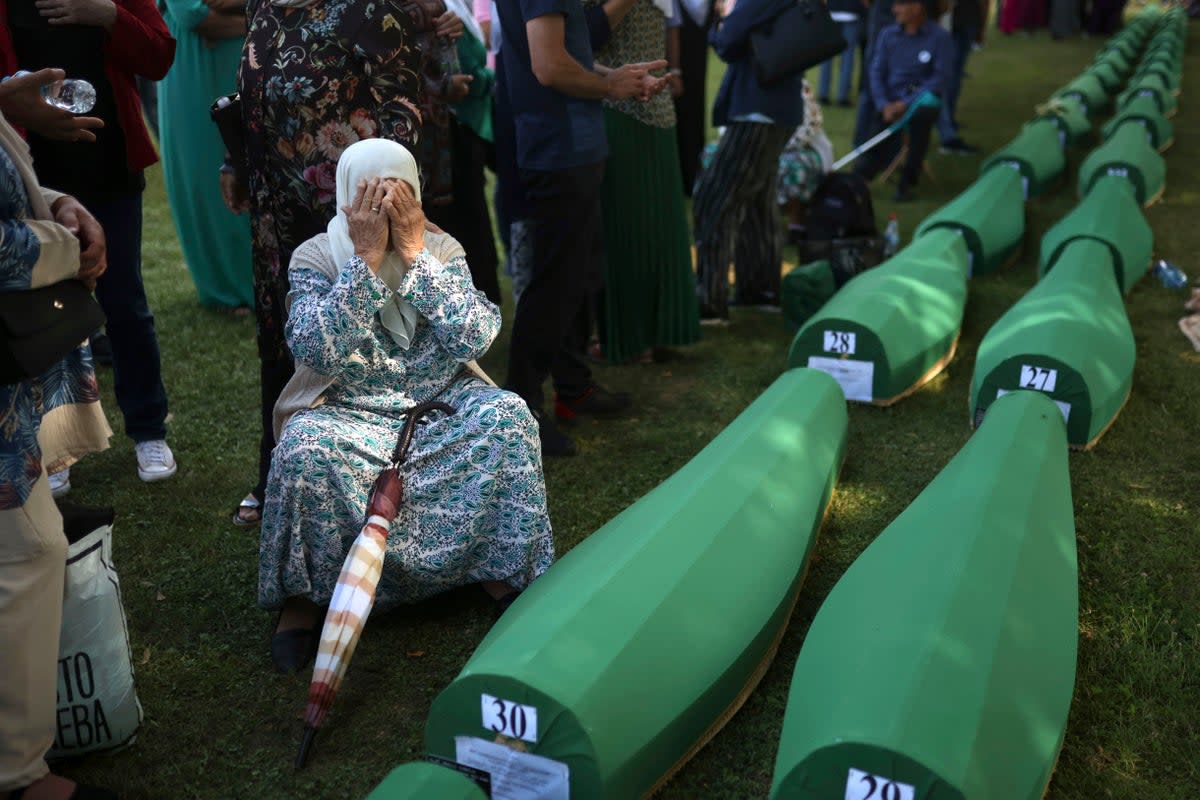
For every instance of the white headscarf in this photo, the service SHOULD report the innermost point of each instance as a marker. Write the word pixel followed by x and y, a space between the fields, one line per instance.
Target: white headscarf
pixel 363 160
pixel 466 12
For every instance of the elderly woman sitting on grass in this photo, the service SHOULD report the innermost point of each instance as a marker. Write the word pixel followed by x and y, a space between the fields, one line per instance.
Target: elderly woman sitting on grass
pixel 383 316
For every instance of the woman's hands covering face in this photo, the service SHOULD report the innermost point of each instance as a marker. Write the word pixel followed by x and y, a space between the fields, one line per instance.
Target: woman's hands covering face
pixel 407 221
pixel 367 221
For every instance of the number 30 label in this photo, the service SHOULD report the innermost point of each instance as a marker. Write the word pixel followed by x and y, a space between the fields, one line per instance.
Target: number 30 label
pixel 864 786
pixel 1040 378
pixel 509 719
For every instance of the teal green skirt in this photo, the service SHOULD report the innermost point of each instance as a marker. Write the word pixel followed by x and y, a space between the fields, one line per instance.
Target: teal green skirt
pixel 650 292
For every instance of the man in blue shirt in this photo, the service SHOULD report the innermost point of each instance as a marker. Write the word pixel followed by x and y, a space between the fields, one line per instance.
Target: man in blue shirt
pixel 553 92
pixel 913 56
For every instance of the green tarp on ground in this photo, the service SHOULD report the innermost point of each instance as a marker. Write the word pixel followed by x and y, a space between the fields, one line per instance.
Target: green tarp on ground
pixel 1145 110
pixel 891 328
pixel 1154 87
pixel 990 213
pixel 422 781
pixel 804 289
pixel 1037 152
pixel 1073 124
pixel 1129 154
pixel 627 653
pixel 1091 93
pixel 1109 214
pixel 1069 337
pixel 941 665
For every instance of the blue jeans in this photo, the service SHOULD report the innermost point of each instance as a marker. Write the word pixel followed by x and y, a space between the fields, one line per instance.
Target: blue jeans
pixel 964 40
pixel 137 372
pixel 846 67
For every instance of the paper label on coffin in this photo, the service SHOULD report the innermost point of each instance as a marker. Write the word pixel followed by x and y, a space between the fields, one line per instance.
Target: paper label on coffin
pixel 839 342
pixel 856 378
pixel 1065 408
pixel 865 786
pixel 1024 178
pixel 515 775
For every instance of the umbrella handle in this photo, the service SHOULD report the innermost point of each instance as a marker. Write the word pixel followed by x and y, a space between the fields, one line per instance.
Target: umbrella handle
pixel 411 417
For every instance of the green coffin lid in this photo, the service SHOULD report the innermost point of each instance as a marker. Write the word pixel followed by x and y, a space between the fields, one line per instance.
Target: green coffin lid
pixel 1169 75
pixel 805 289
pixel 990 213
pixel 943 661
pixel 1115 59
pixel 648 635
pixel 1154 87
pixel 1109 214
pixel 1037 152
pixel 1110 78
pixel 423 781
pixel 1089 90
pixel 1069 337
pixel 1126 47
pixel 1067 113
pixel 1144 111
pixel 892 328
pixel 1127 153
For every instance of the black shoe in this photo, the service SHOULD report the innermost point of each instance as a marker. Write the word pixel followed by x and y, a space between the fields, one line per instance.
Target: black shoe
pixel 555 443
pixel 595 400
pixel 101 348
pixel 823 101
pixel 293 649
pixel 844 103
pixel 958 147
pixel 904 194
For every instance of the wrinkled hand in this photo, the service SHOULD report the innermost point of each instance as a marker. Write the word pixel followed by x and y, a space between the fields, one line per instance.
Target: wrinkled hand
pixel 459 88
pixel 22 103
pixel 407 222
pixel 71 214
pixel 449 25
pixel 367 222
pixel 95 13
pixel 236 198
pixel 630 80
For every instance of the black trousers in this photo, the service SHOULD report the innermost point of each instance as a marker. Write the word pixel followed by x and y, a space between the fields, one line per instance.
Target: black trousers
pixel 562 216
pixel 919 129
pixel 689 107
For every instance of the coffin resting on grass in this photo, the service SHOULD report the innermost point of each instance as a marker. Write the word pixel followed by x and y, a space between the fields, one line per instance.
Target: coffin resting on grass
pixel 424 781
pixel 1091 93
pixel 1127 46
pixel 1154 87
pixel 894 327
pixel 1169 75
pixel 1067 113
pixel 1108 214
pixel 990 214
pixel 943 661
pixel 1068 337
pixel 627 654
pixel 1110 77
pixel 1037 152
pixel 804 289
pixel 1117 61
pixel 1127 154
pixel 1145 111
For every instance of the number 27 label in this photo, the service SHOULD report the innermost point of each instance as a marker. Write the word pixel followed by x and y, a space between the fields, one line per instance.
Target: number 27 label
pixel 509 719
pixel 1040 378
pixel 865 786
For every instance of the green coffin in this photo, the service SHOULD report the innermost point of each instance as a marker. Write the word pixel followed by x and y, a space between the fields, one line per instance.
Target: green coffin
pixel 804 289
pixel 1067 113
pixel 1154 87
pixel 941 665
pixel 892 328
pixel 1109 214
pixel 639 643
pixel 1127 153
pixel 1145 111
pixel 1068 337
pixel 1169 76
pixel 990 214
pixel 421 781
pixel 1037 152
pixel 1125 46
pixel 1117 60
pixel 1089 90
pixel 1109 77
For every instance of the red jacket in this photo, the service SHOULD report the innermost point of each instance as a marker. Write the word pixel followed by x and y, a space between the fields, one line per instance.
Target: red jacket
pixel 139 44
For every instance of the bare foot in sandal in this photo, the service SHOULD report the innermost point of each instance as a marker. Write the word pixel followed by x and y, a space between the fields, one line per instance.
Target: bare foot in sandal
pixel 248 513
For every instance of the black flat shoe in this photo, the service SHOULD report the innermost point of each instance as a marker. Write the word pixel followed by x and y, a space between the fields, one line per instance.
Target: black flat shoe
pixel 503 603
pixel 292 650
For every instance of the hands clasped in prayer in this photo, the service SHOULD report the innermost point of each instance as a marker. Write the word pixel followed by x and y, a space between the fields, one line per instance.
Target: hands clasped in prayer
pixel 385 211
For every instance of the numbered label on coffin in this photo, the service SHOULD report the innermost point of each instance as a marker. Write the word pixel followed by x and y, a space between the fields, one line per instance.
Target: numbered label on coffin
pixel 509 719
pixel 857 378
pixel 839 342
pixel 1120 172
pixel 865 786
pixel 1042 379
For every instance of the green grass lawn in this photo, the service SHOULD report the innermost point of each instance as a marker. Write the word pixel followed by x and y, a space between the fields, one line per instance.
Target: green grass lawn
pixel 220 724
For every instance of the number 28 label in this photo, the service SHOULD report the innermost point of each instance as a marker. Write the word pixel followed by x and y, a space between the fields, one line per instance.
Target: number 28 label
pixel 1040 378
pixel 865 786
pixel 839 342
pixel 508 718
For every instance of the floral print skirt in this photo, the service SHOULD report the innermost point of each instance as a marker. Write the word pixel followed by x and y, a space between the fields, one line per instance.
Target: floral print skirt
pixel 474 505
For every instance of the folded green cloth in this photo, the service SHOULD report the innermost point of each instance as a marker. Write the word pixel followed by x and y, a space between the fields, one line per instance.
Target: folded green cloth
pixel 805 289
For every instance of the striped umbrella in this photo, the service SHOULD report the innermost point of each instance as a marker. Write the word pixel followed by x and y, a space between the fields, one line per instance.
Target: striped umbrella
pixel 354 594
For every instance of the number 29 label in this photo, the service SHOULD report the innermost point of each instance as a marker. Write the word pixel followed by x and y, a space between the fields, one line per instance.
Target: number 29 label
pixel 509 719
pixel 865 786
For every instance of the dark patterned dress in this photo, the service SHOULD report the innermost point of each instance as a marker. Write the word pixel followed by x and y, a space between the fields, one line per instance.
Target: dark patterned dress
pixel 474 506
pixel 313 81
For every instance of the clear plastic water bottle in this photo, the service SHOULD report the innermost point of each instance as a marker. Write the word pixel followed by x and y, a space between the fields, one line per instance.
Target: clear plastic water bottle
pixel 1169 275
pixel 891 236
pixel 70 94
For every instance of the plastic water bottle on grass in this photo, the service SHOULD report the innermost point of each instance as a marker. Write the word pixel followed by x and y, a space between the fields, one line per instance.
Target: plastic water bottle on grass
pixel 891 236
pixel 70 94
pixel 1169 275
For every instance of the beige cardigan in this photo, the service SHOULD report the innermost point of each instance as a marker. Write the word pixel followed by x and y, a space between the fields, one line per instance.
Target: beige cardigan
pixel 307 387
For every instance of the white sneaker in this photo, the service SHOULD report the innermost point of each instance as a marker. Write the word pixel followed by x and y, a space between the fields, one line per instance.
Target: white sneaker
pixel 155 460
pixel 60 482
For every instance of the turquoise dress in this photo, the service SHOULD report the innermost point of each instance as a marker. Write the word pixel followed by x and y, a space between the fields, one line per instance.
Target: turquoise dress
pixel 215 242
pixel 474 506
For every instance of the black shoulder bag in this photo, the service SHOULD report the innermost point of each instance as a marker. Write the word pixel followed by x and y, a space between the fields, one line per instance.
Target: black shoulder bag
pixel 801 37
pixel 40 327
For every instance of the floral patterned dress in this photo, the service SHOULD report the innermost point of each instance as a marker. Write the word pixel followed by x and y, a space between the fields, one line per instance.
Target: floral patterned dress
pixel 474 506
pixel 313 81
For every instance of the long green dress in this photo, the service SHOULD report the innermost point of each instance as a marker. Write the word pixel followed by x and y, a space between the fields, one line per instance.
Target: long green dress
pixel 215 243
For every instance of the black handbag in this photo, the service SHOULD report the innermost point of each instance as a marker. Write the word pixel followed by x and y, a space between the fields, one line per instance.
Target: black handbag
pixel 40 327
pixel 226 113
pixel 801 37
